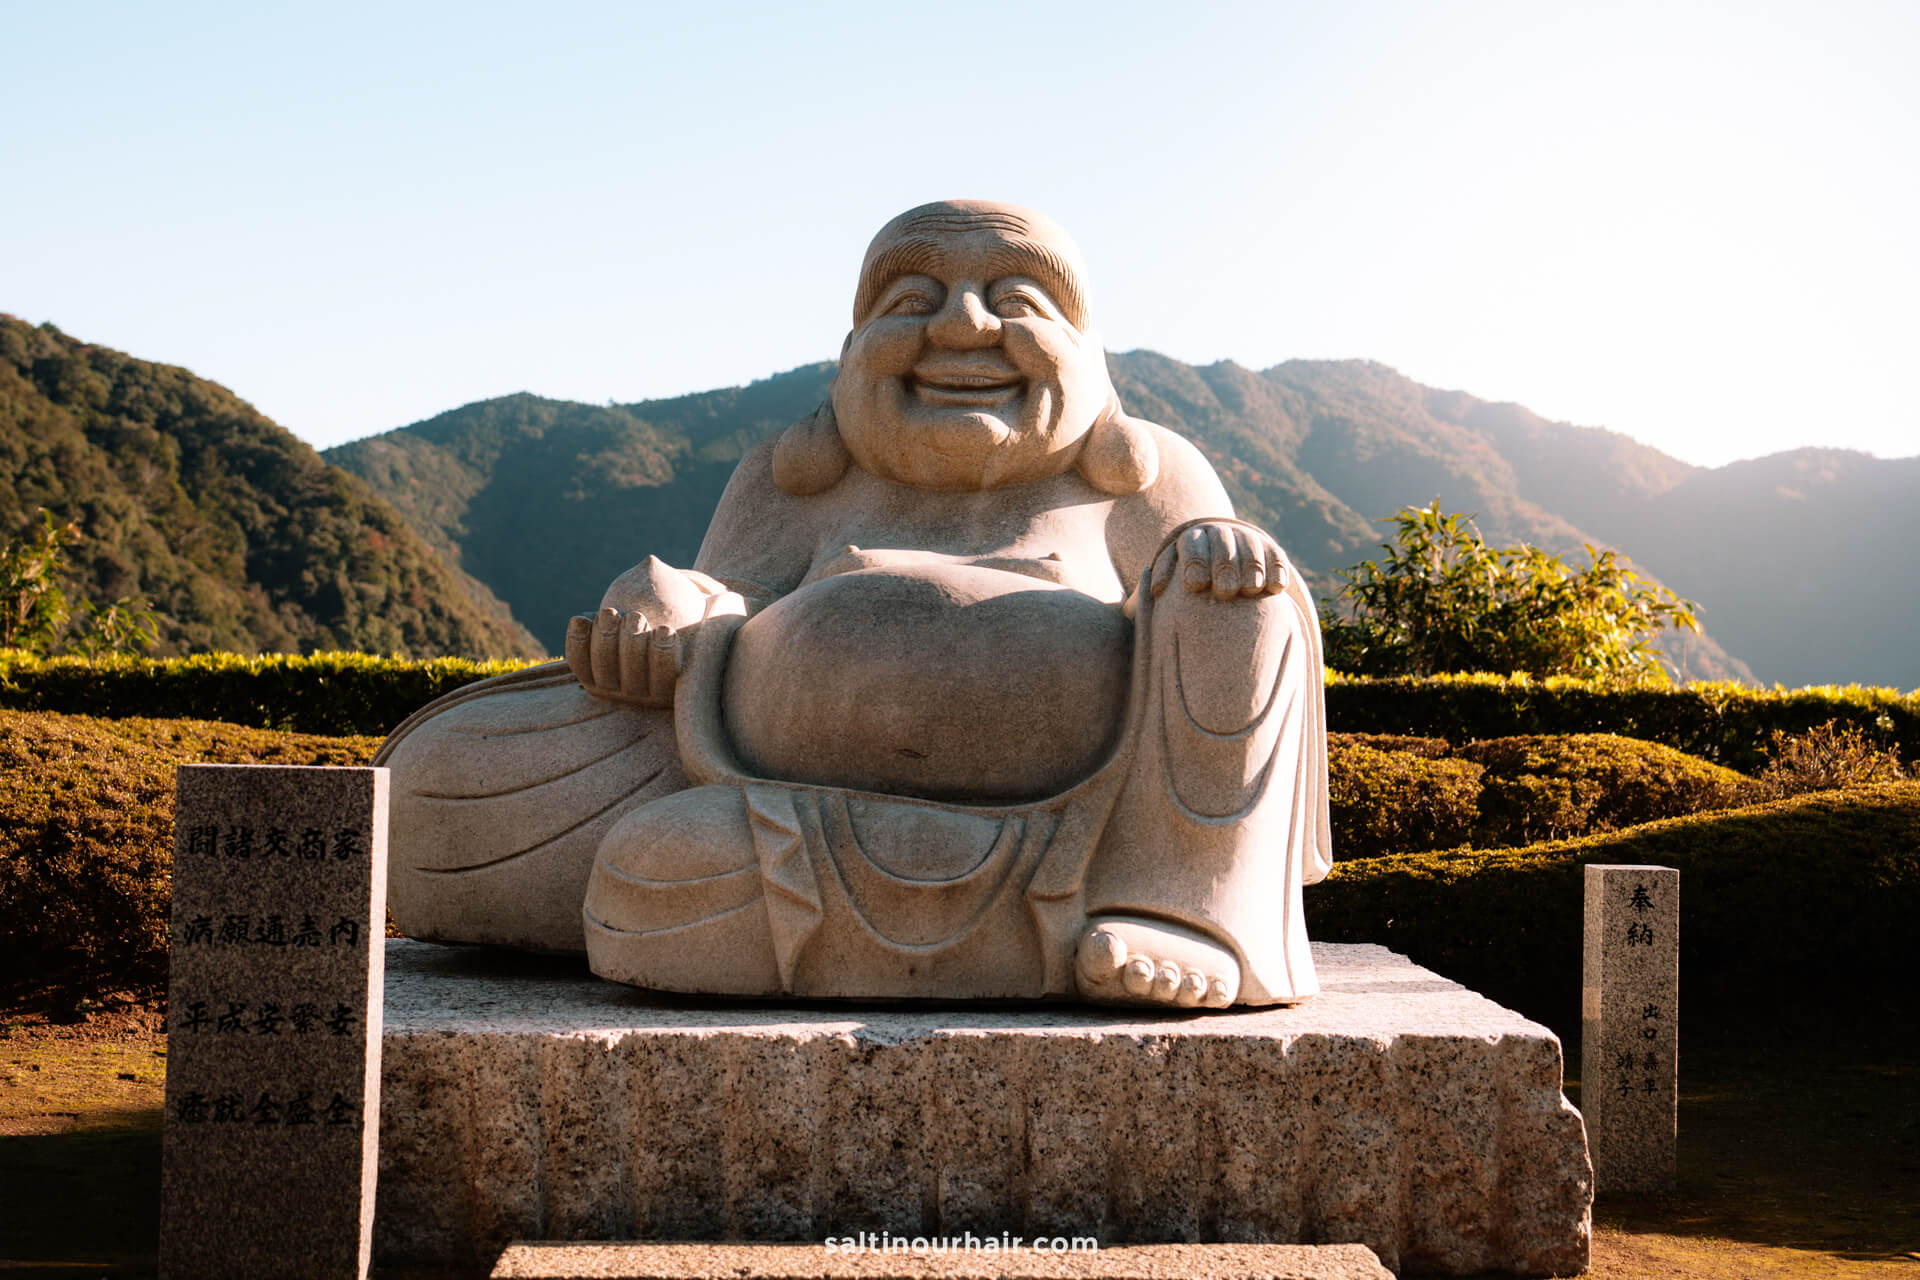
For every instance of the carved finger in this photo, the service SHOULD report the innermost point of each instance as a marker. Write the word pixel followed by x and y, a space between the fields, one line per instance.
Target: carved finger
pixel 606 649
pixel 1163 570
pixel 580 648
pixel 1253 561
pixel 1277 568
pixel 1226 566
pixel 1251 551
pixel 633 654
pixel 663 663
pixel 1196 557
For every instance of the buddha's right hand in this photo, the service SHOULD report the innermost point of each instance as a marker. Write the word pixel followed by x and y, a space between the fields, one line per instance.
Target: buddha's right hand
pixel 633 648
pixel 621 657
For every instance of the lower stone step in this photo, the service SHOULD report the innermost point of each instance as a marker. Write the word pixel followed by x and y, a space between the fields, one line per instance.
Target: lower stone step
pixel 569 1260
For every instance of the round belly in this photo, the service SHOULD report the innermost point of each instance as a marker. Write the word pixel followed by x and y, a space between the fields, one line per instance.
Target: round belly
pixel 948 682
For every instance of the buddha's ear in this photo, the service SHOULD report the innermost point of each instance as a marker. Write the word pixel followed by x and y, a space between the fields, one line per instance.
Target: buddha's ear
pixel 1120 455
pixel 810 456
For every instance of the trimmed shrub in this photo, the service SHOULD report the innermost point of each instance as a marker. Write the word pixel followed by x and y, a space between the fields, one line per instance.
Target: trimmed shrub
pixel 1809 899
pixel 326 693
pixel 1386 797
pixel 1388 801
pixel 86 839
pixel 1548 788
pixel 1728 724
pixel 1431 748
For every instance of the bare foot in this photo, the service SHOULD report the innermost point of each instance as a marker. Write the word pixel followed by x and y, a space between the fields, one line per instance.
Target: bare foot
pixel 1130 960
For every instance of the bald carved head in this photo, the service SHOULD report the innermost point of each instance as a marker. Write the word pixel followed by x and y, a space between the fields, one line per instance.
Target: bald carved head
pixel 970 364
pixel 1028 243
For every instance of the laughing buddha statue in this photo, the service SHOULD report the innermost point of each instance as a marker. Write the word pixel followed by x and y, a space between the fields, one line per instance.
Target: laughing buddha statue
pixel 976 688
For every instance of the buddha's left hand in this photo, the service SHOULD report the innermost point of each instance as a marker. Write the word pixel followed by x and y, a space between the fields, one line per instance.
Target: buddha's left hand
pixel 1232 560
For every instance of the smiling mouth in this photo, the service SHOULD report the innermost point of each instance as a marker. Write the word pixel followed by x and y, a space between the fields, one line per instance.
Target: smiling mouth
pixel 965 390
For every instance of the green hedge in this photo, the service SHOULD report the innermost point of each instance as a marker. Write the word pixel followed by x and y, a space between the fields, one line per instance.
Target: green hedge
pixel 86 839
pixel 1728 724
pixel 1404 795
pixel 1553 787
pixel 358 693
pixel 1389 801
pixel 331 693
pixel 1811 899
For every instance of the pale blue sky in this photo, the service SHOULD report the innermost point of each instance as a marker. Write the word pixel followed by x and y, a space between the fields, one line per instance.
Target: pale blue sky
pixel 1694 223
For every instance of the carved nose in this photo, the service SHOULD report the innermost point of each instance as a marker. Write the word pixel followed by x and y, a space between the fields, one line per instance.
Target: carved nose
pixel 965 322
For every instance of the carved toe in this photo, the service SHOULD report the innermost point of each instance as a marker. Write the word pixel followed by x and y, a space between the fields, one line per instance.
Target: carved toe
pixel 1102 953
pixel 1132 960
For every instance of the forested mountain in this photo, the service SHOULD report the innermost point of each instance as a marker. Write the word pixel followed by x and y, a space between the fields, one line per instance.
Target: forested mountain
pixel 1796 564
pixel 235 532
pixel 448 535
pixel 547 500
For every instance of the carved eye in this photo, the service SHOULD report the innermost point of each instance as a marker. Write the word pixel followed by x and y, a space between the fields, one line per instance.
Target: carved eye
pixel 913 296
pixel 1012 302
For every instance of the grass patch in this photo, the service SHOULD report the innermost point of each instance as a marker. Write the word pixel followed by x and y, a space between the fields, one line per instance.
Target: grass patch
pixel 80 1118
pixel 1799 1153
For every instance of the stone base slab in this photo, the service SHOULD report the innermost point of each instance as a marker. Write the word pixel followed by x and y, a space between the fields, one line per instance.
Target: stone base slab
pixel 530 1101
pixel 568 1261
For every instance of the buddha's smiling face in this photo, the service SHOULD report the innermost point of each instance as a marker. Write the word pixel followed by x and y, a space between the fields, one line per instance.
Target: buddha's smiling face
pixel 969 366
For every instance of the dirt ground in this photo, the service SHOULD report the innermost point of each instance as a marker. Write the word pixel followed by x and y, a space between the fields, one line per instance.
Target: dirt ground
pixel 1796 1163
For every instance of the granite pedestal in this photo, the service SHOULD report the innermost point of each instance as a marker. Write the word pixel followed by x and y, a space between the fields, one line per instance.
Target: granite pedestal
pixel 1396 1110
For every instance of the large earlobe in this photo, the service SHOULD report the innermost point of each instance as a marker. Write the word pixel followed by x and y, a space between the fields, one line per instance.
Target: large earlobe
pixel 810 456
pixel 1120 455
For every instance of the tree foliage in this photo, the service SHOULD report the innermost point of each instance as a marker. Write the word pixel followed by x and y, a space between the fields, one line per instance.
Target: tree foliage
pixel 1442 600
pixel 33 608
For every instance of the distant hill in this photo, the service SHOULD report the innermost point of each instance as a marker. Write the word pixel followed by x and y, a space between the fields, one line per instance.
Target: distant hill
pixel 1808 557
pixel 546 501
pixel 236 532
pixel 1794 560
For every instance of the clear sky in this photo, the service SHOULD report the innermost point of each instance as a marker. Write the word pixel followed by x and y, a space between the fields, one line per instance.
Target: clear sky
pixel 1694 223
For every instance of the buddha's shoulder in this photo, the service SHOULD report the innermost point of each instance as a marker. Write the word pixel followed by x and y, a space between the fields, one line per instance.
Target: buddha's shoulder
pixel 1185 485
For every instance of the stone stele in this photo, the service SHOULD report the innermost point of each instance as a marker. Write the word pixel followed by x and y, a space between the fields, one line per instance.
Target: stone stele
pixel 273 1022
pixel 1395 1110
pixel 1630 1025
pixel 976 688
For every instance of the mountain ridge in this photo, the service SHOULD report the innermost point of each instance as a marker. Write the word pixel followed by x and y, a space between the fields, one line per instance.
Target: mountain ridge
pixel 236 533
pixel 1319 451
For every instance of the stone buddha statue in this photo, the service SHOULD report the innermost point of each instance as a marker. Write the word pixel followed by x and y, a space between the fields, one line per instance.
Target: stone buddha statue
pixel 976 688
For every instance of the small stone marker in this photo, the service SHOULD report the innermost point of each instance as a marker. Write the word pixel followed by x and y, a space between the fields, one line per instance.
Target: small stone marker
pixel 1630 1025
pixel 273 1022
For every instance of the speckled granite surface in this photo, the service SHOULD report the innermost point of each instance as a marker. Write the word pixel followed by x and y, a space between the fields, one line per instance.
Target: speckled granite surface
pixel 1396 1110
pixel 549 1261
